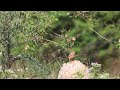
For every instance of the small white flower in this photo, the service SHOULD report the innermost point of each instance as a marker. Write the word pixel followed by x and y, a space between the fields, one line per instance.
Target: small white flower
pixel 21 70
pixel 27 78
pixel 66 35
pixel 27 47
pixel 0 53
pixel 104 76
pixel 19 55
pixel 90 69
pixel 93 64
pixel 96 64
pixel 119 40
pixel 15 76
pixel 10 71
pixel 18 69
pixel 68 14
pixel 26 68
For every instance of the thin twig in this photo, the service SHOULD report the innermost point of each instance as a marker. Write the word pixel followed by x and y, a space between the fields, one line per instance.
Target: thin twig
pixel 53 42
pixel 111 42
pixel 100 35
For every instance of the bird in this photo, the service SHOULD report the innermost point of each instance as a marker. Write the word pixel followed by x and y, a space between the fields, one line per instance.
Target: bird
pixel 71 55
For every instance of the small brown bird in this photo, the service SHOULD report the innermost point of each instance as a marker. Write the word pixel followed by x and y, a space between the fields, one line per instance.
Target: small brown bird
pixel 71 55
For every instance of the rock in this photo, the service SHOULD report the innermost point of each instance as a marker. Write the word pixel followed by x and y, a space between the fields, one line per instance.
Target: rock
pixel 74 70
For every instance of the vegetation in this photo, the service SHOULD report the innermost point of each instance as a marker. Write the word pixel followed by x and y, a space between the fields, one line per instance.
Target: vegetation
pixel 35 44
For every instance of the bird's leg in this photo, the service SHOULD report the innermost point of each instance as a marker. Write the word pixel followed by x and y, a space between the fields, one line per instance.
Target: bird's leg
pixel 69 60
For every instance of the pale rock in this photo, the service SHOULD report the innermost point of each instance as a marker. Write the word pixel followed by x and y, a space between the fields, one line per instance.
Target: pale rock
pixel 74 70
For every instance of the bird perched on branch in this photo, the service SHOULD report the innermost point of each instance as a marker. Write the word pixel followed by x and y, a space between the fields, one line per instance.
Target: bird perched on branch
pixel 71 55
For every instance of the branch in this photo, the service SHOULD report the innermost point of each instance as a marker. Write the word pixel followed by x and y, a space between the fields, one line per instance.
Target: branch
pixel 53 42
pixel 111 42
pixel 100 35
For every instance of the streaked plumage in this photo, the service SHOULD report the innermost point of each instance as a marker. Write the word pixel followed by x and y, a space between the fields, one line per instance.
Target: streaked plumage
pixel 71 55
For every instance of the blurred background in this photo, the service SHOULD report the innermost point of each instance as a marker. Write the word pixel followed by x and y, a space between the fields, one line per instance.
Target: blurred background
pixel 49 36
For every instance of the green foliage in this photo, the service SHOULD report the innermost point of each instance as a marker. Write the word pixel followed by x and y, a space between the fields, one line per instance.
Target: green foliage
pixel 95 72
pixel 27 30
pixel 47 35
pixel 33 70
